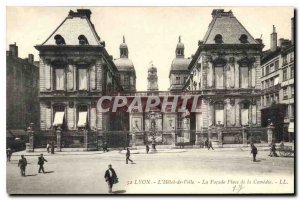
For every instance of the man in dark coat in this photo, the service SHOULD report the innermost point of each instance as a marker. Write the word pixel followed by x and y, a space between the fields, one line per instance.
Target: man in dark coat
pixel 22 164
pixel 52 148
pixel 8 154
pixel 128 156
pixel 41 163
pixel 254 152
pixel 147 148
pixel 110 177
pixel 206 143
pixel 273 150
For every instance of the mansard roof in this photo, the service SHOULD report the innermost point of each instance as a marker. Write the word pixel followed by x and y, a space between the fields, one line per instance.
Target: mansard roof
pixel 230 29
pixel 75 24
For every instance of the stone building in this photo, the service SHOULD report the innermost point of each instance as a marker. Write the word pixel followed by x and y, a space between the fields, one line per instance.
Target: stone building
pixel 225 73
pixel 126 69
pixel 179 69
pixel 277 84
pixel 75 70
pixel 22 103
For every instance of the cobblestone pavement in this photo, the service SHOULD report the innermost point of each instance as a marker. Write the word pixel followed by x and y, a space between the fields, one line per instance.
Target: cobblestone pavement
pixel 188 171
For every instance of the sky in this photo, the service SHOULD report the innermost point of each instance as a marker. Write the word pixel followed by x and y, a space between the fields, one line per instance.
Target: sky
pixel 151 32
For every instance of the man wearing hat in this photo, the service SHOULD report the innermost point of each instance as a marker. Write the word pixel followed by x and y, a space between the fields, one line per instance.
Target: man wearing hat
pixel 22 164
pixel 41 163
pixel 110 177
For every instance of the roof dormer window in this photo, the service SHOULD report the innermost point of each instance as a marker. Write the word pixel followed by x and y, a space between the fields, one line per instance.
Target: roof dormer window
pixel 59 40
pixel 244 38
pixel 82 40
pixel 218 39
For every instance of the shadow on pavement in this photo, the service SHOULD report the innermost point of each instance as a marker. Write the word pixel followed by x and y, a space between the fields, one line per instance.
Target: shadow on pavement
pixel 119 192
pixel 49 172
pixel 31 175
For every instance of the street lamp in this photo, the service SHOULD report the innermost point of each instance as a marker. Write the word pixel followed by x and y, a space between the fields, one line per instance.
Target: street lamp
pixel 30 144
pixel 152 116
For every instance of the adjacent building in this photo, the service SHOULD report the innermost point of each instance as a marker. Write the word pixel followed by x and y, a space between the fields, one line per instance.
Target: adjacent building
pixel 22 89
pixel 277 84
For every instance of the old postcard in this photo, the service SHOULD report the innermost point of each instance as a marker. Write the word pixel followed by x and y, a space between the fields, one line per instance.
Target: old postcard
pixel 150 100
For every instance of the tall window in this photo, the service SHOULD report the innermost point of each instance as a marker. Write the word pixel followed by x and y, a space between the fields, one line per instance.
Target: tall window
pixel 263 85
pixel 82 79
pixel 284 74
pixel 292 91
pixel 219 76
pixel 271 67
pixel 276 64
pixel 244 76
pixel 267 100
pixel 276 80
pixel 59 111
pixel 292 57
pixel 219 113
pixel 267 69
pixel 59 79
pixel 267 83
pixel 177 80
pixel 262 71
pixel 277 98
pixel 126 80
pixel 285 93
pixel 82 111
pixel 245 113
pixel 271 82
pixel 284 59
pixel 292 72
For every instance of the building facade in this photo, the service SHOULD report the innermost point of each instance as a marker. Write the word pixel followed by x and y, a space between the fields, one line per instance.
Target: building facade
pixel 225 73
pixel 277 83
pixel 22 103
pixel 75 70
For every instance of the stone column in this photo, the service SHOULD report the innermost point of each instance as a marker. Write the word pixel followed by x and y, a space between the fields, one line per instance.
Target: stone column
pixel 173 139
pixel 244 133
pixel 209 132
pixel 30 144
pixel 58 137
pixel 85 133
pixel 270 130
pixel 197 142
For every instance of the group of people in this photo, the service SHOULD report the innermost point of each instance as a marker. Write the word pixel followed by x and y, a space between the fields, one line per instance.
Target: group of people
pixel 272 150
pixel 50 147
pixel 23 163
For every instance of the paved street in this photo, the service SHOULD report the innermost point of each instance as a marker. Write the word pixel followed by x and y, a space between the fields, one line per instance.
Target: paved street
pixel 185 171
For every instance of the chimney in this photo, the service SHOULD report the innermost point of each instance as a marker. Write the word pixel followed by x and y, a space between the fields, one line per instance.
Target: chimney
pixel 274 39
pixel 30 58
pixel 84 12
pixel 259 40
pixel 281 41
pixel 14 49
pixel 293 31
pixel 8 53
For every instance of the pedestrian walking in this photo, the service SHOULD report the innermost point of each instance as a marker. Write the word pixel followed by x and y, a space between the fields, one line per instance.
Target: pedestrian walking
pixel 206 143
pixel 52 148
pixel 41 163
pixel 147 148
pixel 48 147
pixel 8 154
pixel 105 147
pixel 253 151
pixel 111 178
pixel 210 145
pixel 273 150
pixel 22 164
pixel 128 156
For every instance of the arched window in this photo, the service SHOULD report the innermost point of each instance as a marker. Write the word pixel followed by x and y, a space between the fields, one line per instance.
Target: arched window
pixel 218 39
pixel 244 38
pixel 219 113
pixel 245 113
pixel 82 40
pixel 59 40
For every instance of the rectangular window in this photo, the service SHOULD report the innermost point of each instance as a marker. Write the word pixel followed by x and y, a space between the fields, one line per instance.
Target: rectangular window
pixel 284 74
pixel 271 82
pixel 267 69
pixel 285 93
pixel 276 64
pixel 244 116
pixel 277 98
pixel 82 119
pixel 59 79
pixel 292 57
pixel 177 80
pixel 292 72
pixel 262 71
pixel 262 85
pixel 219 113
pixel 292 91
pixel 292 110
pixel 126 80
pixel 276 80
pixel 244 77
pixel 58 118
pixel 284 59
pixel 82 79
pixel 268 100
pixel 272 67
pixel 219 77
